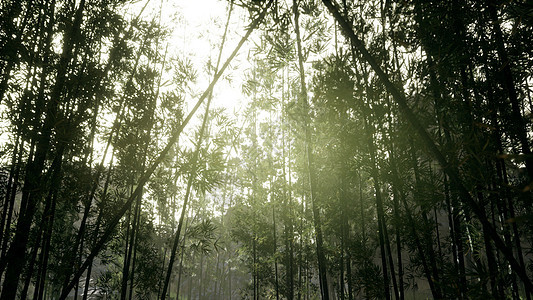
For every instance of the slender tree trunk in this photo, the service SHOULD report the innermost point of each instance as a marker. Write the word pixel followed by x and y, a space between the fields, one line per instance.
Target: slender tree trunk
pixel 31 267
pixel 322 271
pixel 380 214
pixel 161 274
pixel 345 239
pixel 508 82
pixel 275 250
pixel 229 279
pixel 200 278
pixel 390 258
pixel 398 246
pixel 287 191
pixel 427 233
pixel 491 261
pixel 217 277
pixel 341 267
pixel 180 272
pixel 190 289
pixel 10 202
pixel 6 207
pixel 130 245
pixel 49 214
pixel 127 246
pixel 434 291
pixel 397 221
pixel 97 226
pixel 254 271
pixel 301 270
pixel 134 243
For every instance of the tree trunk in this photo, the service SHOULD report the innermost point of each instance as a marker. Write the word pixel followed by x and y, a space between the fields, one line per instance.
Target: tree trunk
pixel 274 254
pixel 10 203
pixel 322 271
pixel 49 214
pixel 508 81
pixel 31 267
pixel 379 208
pixel 134 244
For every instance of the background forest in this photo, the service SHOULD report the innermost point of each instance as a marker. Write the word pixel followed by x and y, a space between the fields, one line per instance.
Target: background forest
pixel 376 149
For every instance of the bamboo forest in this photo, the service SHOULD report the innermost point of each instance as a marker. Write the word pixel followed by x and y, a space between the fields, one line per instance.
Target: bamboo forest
pixel 266 149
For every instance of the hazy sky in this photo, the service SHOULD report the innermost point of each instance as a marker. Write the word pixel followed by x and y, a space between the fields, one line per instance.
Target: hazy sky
pixel 198 29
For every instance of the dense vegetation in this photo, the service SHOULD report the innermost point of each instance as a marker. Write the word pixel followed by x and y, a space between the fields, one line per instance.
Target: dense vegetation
pixel 383 151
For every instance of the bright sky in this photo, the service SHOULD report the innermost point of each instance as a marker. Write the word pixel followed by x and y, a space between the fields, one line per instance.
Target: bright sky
pixel 197 28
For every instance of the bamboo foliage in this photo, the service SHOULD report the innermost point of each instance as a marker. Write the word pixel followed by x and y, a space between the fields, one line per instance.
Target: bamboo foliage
pixel 371 149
